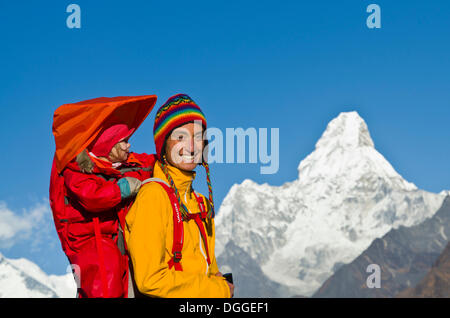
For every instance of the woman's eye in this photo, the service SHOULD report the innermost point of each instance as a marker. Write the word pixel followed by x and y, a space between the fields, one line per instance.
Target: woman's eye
pixel 179 137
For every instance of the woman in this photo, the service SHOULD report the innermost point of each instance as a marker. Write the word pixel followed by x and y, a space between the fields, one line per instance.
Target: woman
pixel 169 229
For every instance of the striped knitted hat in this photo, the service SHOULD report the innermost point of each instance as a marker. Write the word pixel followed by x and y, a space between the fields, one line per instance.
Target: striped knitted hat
pixel 177 111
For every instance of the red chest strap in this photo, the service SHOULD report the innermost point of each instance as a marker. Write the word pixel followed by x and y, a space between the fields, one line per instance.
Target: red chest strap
pixel 178 231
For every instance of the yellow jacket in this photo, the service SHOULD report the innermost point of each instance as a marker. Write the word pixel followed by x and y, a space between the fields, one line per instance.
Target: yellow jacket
pixel 149 237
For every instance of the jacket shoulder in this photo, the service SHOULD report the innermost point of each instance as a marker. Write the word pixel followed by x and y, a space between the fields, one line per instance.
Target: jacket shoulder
pixel 152 189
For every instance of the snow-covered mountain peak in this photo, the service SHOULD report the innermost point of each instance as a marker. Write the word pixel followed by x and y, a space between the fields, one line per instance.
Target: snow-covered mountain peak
pixel 348 130
pixel 345 154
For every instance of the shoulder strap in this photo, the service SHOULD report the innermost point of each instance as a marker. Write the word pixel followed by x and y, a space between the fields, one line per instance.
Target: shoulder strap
pixel 198 217
pixel 155 180
pixel 101 257
pixel 178 231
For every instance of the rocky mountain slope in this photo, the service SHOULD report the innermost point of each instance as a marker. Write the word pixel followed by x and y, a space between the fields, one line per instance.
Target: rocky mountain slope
pixel 404 256
pixel 436 283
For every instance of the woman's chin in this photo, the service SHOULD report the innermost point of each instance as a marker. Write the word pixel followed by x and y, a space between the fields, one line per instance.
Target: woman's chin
pixel 187 166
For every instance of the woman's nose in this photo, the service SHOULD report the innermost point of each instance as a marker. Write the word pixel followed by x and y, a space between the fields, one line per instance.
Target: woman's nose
pixel 192 145
pixel 189 145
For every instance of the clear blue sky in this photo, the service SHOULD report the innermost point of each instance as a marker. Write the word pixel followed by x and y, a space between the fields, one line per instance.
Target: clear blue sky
pixel 292 65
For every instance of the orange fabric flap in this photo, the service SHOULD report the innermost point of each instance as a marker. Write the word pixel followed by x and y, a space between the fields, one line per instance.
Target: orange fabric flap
pixel 76 125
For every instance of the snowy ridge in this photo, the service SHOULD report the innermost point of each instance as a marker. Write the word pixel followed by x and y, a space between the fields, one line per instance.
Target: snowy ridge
pixel 347 194
pixel 21 278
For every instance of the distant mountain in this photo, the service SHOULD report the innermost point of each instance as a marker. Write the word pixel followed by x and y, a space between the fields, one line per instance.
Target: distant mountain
pixel 436 283
pixel 299 234
pixel 247 274
pixel 21 278
pixel 404 255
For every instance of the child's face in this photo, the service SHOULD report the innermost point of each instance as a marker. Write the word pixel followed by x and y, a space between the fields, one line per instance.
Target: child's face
pixel 120 151
pixel 184 146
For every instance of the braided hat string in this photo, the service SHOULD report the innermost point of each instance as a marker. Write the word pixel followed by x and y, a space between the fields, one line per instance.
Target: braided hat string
pixel 183 209
pixel 211 212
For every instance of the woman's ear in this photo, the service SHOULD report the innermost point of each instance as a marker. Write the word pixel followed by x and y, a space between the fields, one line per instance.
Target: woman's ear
pixel 164 151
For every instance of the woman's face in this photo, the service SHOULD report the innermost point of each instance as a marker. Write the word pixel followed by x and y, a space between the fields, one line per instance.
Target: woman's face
pixel 184 146
pixel 120 151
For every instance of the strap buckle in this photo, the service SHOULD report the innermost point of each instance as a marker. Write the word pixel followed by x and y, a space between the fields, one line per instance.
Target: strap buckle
pixel 176 257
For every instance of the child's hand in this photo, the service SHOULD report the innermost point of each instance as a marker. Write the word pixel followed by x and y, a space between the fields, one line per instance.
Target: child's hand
pixel 129 187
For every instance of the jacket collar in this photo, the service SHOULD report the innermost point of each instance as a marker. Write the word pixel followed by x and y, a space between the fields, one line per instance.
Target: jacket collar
pixel 182 179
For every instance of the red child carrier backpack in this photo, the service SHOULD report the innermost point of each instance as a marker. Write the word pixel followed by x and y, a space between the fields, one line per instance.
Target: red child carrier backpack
pixel 93 242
